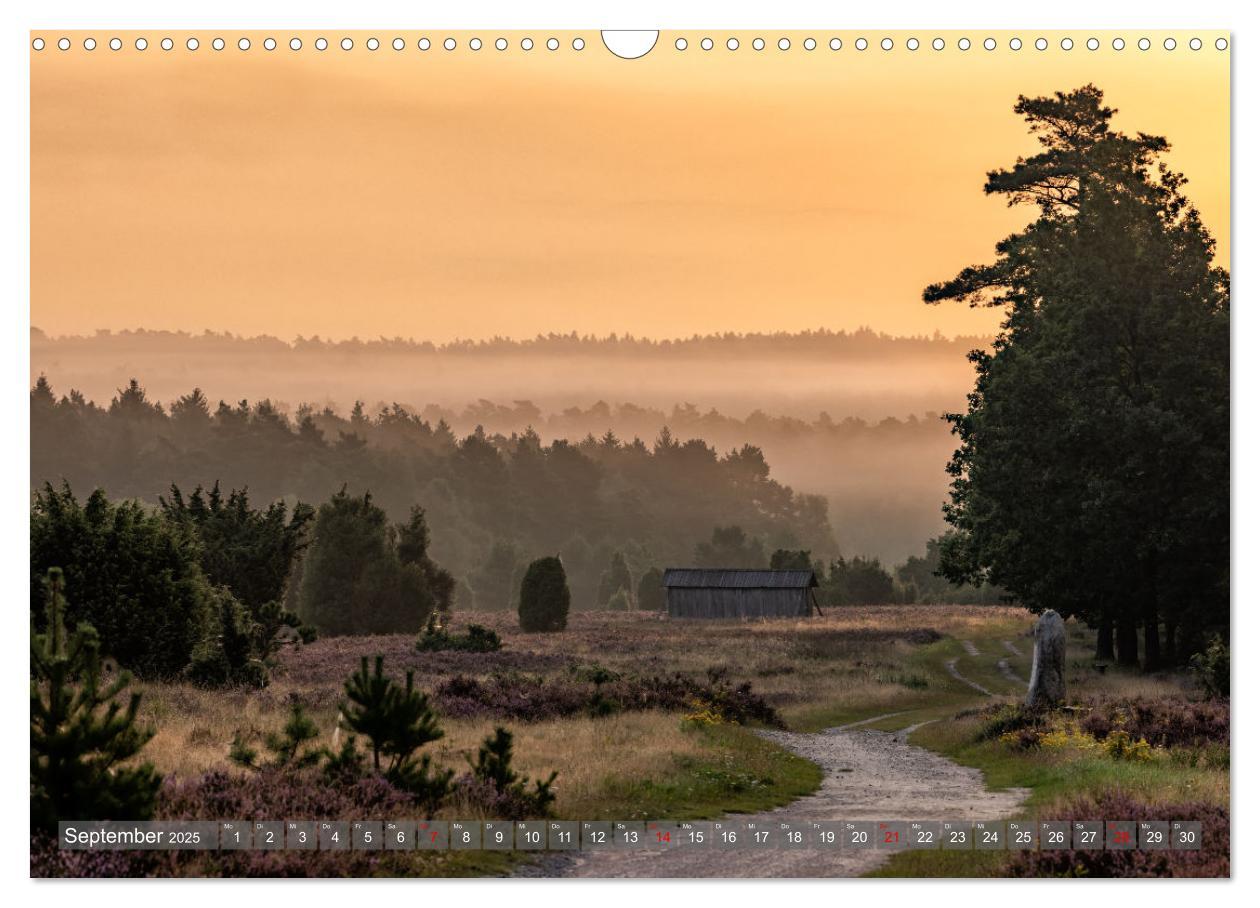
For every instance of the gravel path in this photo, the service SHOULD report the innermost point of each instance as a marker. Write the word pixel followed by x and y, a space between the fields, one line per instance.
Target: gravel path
pixel 867 775
pixel 969 648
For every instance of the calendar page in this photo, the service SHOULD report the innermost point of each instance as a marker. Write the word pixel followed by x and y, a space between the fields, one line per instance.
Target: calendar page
pixel 708 453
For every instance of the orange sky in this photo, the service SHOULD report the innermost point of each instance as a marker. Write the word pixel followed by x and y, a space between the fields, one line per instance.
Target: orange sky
pixel 467 194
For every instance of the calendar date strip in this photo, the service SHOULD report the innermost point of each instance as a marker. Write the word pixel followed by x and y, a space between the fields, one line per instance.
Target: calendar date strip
pixel 597 835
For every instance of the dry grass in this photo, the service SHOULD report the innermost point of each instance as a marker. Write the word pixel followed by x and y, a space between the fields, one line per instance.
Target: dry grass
pixel 195 730
pixel 855 657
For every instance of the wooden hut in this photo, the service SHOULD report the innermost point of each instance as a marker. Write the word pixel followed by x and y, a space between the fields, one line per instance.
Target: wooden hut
pixel 724 593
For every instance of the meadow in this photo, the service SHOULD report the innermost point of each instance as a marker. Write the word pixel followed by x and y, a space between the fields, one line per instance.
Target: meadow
pixel 579 702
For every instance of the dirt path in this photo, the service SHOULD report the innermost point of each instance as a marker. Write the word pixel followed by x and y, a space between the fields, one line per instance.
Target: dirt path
pixel 1011 648
pixel 951 666
pixel 867 775
pixel 969 648
pixel 1008 673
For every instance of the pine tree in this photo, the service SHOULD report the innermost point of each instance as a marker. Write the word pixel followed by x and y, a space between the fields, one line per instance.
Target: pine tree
pixel 494 767
pixel 614 579
pixel 397 721
pixel 286 746
pixel 81 734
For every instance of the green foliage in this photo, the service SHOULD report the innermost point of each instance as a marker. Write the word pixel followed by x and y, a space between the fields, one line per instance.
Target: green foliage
pixel 1007 719
pixel 494 579
pixel 228 655
pixel 397 720
pixel 347 763
pixel 84 741
pixel 1093 469
pixel 137 578
pixel 544 603
pixel 489 496
pixel 616 579
pixel 730 547
pixel 790 560
pixel 921 580
pixel 857 581
pixel 651 595
pixel 364 576
pixel 493 766
pixel 252 552
pixel 1211 669
pixel 477 639
pixel 288 747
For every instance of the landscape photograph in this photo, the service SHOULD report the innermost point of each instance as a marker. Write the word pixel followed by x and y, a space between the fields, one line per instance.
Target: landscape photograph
pixel 498 454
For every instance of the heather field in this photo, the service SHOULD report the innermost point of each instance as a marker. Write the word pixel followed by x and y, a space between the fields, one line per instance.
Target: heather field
pixel 644 717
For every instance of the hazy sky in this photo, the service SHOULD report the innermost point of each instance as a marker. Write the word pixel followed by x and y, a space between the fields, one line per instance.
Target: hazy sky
pixel 440 194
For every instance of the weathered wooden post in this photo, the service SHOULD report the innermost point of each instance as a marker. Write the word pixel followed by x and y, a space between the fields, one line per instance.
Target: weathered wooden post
pixel 1048 685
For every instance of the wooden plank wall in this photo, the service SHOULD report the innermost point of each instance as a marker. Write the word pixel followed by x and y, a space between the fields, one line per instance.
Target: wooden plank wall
pixel 713 602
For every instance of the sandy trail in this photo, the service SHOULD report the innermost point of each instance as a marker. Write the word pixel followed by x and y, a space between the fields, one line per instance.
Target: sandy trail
pixel 867 775
pixel 951 666
pixel 1009 673
pixel 969 648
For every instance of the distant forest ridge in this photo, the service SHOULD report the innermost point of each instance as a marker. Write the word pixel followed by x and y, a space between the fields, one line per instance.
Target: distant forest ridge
pixel 820 342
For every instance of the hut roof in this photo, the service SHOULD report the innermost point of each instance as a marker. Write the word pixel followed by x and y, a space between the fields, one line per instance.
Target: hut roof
pixel 731 578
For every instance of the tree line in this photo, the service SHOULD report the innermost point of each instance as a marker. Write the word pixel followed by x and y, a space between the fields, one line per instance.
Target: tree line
pixel 499 499
pixel 820 342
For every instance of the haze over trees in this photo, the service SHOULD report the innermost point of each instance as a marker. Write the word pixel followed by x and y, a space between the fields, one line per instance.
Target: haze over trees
pixel 495 501
pixel 852 416
pixel 1092 472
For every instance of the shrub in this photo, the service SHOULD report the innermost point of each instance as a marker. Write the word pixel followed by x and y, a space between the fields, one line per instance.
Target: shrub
pixel 1211 861
pixel 1168 722
pixel 1006 719
pixel 1211 669
pixel 250 551
pixel 136 577
pixel 363 575
pixel 83 740
pixel 544 597
pixel 477 639
pixel 594 673
pixel 228 654
pixel 530 698
pixel 620 601
pixel 263 795
pixel 1120 746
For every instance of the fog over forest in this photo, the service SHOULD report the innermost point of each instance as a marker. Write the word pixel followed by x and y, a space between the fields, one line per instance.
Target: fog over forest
pixel 851 416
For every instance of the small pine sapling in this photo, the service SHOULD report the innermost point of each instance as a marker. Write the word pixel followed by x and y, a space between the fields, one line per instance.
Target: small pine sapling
pixel 397 720
pixel 82 737
pixel 493 767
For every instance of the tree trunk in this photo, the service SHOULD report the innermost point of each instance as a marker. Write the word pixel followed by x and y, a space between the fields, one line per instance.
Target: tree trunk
pixel 1170 642
pixel 1105 649
pixel 1151 634
pixel 1126 642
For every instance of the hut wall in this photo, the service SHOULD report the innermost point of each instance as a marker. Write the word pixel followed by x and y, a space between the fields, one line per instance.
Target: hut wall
pixel 718 602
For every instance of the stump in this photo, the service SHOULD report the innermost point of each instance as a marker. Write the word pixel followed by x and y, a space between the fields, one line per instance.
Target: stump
pixel 1047 687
